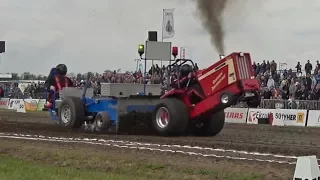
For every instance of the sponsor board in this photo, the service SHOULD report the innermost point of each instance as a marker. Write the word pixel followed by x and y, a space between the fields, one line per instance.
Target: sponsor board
pixel 289 117
pixel 14 104
pixel 277 117
pixel 41 104
pixel 236 115
pixel 31 104
pixel 259 116
pixel 21 107
pixel 28 104
pixel 313 118
pixel 4 102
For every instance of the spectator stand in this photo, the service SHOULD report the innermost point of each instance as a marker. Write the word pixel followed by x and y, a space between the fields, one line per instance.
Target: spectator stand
pixel 288 84
pixel 23 89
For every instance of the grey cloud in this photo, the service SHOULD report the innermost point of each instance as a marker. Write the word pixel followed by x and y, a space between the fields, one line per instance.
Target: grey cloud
pixel 104 34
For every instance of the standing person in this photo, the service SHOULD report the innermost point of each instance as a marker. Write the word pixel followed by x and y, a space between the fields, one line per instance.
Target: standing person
pixel 318 77
pixel 273 68
pixel 1 92
pixel 308 82
pixel 298 67
pixel 308 67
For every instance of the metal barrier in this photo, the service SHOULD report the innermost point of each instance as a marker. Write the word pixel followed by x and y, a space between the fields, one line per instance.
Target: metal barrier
pixel 265 103
pixel 284 104
pixel 290 104
pixel 26 95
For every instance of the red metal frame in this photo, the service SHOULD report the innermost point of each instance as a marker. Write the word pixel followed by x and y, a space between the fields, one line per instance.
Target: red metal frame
pixel 218 79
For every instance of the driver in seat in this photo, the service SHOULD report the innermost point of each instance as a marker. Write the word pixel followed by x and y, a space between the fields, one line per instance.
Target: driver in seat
pixel 56 82
pixel 186 73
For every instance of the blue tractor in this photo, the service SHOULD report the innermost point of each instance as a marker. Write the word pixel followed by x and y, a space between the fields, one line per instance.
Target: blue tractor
pixel 80 107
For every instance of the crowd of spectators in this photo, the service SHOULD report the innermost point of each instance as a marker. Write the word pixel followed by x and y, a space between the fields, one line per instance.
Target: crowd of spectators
pixel 299 83
pixel 32 90
pixel 37 90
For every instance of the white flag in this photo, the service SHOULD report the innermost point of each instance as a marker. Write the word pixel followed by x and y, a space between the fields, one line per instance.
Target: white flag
pixel 22 86
pixel 168 24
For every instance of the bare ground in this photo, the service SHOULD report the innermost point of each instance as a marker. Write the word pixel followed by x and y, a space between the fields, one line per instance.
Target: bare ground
pixel 260 138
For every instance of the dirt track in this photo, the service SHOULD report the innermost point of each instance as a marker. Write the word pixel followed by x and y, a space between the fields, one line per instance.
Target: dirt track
pixel 254 138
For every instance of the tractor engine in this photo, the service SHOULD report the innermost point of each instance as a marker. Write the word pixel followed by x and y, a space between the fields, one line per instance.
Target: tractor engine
pixel 233 75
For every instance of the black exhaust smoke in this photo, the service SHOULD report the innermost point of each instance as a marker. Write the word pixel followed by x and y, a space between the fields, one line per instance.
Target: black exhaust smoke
pixel 211 16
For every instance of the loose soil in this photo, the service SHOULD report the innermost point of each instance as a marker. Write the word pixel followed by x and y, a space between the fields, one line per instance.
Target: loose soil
pixel 259 138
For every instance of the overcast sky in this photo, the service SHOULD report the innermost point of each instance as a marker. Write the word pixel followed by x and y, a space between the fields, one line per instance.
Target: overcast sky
pixel 97 35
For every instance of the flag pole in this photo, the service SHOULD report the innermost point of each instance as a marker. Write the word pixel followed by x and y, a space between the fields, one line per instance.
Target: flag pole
pixel 162 25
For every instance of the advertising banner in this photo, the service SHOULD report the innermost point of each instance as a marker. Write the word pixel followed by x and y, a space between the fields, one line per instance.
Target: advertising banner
pixel 236 115
pixel 4 102
pixel 31 104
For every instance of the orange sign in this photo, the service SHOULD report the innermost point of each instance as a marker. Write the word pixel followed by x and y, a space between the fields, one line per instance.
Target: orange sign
pixel 31 105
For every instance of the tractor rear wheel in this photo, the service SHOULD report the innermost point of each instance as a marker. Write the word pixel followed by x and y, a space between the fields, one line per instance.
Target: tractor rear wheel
pixel 211 125
pixel 71 112
pixel 170 117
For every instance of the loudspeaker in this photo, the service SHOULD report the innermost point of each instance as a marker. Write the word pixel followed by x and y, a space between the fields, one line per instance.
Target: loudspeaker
pixel 153 36
pixel 2 46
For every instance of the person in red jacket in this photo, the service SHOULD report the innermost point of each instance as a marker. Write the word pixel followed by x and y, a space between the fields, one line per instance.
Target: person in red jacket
pixel 1 92
pixel 57 82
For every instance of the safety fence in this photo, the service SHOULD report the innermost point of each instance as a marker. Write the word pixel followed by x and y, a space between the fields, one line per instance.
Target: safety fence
pixel 265 103
pixel 22 105
pixel 284 104
pixel 273 116
pixel 25 95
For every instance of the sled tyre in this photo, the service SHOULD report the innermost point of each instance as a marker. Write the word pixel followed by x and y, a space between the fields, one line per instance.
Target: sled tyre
pixel 71 113
pixel 170 117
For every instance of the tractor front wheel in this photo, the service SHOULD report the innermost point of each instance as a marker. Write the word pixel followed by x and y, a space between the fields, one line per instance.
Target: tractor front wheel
pixel 102 121
pixel 71 112
pixel 170 117
pixel 210 126
pixel 255 101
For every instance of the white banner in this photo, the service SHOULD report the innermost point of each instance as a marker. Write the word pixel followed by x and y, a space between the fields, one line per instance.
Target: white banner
pixel 313 118
pixel 289 117
pixel 14 104
pixel 236 115
pixel 277 117
pixel 259 116
pixel 23 86
pixel 21 107
pixel 168 24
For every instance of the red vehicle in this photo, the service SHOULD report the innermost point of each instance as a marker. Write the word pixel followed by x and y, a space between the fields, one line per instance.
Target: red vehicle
pixel 197 99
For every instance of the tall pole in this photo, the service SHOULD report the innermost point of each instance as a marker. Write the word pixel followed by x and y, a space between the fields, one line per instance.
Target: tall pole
pixel 0 62
pixel 137 60
pixel 162 25
pixel 145 71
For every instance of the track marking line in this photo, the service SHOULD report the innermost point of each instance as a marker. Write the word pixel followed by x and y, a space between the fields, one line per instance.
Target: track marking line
pixel 144 148
pixel 133 143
